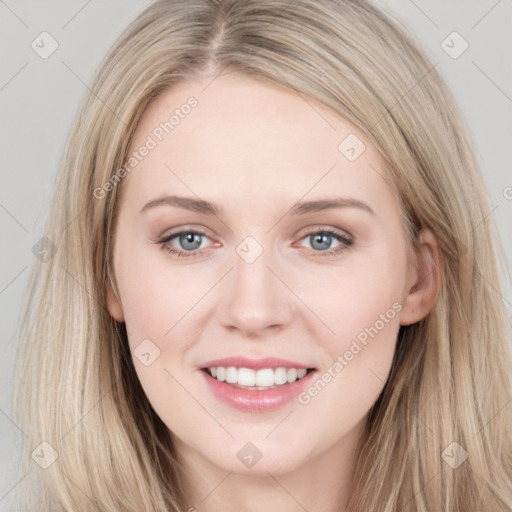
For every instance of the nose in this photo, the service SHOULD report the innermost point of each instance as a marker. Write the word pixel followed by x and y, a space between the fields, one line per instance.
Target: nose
pixel 257 300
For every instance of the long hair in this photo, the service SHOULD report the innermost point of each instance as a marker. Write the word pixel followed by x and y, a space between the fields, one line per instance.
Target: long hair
pixel 448 393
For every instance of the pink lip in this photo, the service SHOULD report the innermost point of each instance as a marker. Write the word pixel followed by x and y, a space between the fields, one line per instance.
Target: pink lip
pixel 255 364
pixel 257 400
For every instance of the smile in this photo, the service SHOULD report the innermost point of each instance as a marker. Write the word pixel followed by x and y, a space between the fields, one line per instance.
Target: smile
pixel 256 385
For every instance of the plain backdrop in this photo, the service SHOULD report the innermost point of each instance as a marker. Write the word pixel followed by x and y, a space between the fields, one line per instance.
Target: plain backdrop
pixel 40 96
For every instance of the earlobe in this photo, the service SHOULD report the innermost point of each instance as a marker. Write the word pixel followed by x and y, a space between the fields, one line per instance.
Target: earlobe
pixel 114 304
pixel 423 280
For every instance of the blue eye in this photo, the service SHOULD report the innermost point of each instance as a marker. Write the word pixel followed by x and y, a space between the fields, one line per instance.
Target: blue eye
pixel 321 241
pixel 191 240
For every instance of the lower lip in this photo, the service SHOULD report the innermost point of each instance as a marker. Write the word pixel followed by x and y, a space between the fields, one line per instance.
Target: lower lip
pixel 257 400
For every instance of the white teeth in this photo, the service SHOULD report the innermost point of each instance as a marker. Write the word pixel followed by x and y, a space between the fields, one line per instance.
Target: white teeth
pixel 265 378
pixel 247 377
pixel 291 375
pixel 280 376
pixel 257 379
pixel 301 372
pixel 231 375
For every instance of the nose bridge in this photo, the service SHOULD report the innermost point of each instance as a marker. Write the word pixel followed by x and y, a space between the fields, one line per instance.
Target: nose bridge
pixel 256 299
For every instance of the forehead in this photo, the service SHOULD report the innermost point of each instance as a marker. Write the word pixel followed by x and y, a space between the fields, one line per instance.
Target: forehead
pixel 236 136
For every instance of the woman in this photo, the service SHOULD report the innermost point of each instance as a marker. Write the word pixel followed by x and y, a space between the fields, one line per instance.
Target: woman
pixel 332 338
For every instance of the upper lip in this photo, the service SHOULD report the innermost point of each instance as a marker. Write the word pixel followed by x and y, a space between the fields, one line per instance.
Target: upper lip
pixel 255 364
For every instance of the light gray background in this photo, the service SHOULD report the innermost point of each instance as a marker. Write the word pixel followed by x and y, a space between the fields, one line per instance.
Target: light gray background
pixel 39 98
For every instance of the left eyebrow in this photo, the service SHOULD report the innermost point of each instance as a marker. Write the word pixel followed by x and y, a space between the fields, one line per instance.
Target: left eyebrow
pixel 305 207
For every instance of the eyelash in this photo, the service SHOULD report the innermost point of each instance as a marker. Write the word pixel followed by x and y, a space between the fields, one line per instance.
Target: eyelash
pixel 345 242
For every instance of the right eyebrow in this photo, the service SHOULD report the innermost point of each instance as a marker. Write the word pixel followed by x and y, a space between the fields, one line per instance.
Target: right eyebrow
pixel 187 203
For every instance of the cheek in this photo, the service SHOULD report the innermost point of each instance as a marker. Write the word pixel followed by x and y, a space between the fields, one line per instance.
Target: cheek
pixel 364 292
pixel 155 296
pixel 361 308
pixel 341 395
pixel 155 301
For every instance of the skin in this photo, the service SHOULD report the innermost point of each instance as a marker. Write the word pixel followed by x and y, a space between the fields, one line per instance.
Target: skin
pixel 257 149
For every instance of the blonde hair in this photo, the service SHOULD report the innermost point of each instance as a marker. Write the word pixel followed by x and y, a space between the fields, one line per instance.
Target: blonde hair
pixel 76 387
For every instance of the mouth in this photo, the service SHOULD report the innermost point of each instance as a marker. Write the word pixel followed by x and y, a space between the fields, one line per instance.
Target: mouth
pixel 257 380
pixel 256 385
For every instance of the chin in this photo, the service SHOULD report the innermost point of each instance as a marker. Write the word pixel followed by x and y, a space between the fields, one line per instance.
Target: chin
pixel 257 456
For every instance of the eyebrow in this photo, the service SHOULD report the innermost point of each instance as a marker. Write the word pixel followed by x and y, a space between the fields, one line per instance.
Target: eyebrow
pixel 300 208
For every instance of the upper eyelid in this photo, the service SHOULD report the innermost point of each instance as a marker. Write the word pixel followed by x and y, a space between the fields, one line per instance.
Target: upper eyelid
pixel 321 228
pixel 179 231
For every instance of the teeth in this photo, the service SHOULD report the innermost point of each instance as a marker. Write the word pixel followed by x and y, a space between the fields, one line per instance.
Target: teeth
pixel 264 378
pixel 256 379
pixel 247 377
pixel 280 376
pixel 221 374
pixel 301 372
pixel 231 375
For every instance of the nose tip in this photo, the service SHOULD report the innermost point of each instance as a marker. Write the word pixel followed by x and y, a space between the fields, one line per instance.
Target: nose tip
pixel 256 300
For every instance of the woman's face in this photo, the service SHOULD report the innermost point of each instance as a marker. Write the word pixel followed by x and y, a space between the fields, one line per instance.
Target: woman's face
pixel 229 255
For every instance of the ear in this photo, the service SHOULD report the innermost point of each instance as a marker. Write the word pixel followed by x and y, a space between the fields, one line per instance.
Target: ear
pixel 423 279
pixel 113 303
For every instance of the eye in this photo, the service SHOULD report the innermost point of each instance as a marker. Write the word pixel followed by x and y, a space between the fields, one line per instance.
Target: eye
pixel 321 240
pixel 189 240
